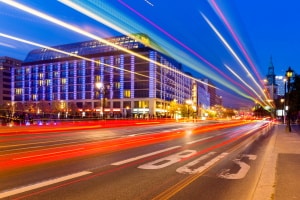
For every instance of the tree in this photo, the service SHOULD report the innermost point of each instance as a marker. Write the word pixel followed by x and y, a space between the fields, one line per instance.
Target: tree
pixel 73 109
pixel 186 110
pixel 56 107
pixel 173 108
pixel 260 112
pixel 19 107
pixel 45 108
pixel 228 112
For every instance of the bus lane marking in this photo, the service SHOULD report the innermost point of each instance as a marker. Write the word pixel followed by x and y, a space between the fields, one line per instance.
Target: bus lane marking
pixel 144 156
pixel 167 161
pixel 244 168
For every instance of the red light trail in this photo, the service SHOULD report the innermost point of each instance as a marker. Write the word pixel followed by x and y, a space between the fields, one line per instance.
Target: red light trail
pixel 34 157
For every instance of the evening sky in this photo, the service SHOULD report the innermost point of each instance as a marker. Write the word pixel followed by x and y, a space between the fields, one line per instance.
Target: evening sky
pixel 217 39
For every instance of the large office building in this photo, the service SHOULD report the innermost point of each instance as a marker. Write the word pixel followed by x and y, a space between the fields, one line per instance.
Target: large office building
pixel 96 76
pixel 281 84
pixel 7 66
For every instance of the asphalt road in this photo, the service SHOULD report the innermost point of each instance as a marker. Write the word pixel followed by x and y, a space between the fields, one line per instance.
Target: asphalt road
pixel 169 161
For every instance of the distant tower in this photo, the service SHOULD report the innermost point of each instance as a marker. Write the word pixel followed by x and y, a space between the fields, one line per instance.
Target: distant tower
pixel 271 74
pixel 271 85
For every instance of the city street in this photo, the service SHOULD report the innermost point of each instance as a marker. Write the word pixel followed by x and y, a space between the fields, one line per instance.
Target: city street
pixel 149 100
pixel 182 160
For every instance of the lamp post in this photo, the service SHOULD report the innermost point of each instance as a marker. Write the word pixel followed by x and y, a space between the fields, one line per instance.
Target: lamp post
pixel 289 74
pixel 102 91
pixel 282 112
pixel 188 102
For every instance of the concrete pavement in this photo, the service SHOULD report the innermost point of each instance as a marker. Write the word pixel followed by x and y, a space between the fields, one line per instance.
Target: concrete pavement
pixel 280 176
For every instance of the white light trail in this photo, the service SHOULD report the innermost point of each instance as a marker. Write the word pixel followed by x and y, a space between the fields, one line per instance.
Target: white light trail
pixel 234 55
pixel 63 52
pixel 86 10
pixel 90 35
pixel 244 82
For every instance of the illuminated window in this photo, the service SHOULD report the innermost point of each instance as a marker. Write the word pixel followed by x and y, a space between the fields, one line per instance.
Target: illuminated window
pixel 97 78
pixel 41 82
pixel 55 74
pixel 63 81
pixel 41 75
pixel 117 61
pixel 127 93
pixel 48 82
pixel 19 91
pixel 27 70
pixel 34 97
pixel 117 85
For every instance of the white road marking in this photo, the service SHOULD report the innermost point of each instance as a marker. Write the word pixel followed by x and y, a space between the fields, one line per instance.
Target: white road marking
pixel 195 141
pixel 244 168
pixel 34 143
pixel 143 156
pixel 42 184
pixel 169 160
pixel 187 169
pixel 47 154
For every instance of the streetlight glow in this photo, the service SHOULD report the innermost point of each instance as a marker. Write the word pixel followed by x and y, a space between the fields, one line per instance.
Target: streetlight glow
pixel 99 85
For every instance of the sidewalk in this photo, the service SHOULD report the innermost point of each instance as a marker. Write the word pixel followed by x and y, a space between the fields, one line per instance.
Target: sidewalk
pixel 280 176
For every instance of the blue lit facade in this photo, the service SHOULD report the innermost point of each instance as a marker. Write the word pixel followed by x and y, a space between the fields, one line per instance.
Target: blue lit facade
pixel 7 66
pixel 134 86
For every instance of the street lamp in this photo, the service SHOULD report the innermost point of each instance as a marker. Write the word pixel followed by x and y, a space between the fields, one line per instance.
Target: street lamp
pixel 188 102
pixel 102 91
pixel 289 74
pixel 99 86
pixel 283 111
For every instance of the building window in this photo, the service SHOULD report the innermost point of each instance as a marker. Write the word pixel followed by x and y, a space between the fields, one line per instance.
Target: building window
pixel 63 81
pixel 141 104
pixel 41 82
pixel 55 74
pixel 126 93
pixel 41 75
pixel 48 82
pixel 117 104
pixel 117 85
pixel 19 91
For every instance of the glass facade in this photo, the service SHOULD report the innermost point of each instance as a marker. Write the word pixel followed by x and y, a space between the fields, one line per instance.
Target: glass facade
pixel 7 66
pixel 132 85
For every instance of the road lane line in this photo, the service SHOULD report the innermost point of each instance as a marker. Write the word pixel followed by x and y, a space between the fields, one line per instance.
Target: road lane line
pixel 144 156
pixel 34 147
pixel 42 184
pixel 47 154
pixel 195 141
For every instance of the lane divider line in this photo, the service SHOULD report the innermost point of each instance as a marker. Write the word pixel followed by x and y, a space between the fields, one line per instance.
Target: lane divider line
pixel 202 139
pixel 42 184
pixel 47 154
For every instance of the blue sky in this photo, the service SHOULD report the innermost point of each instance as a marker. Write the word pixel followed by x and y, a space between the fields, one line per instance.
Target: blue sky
pixel 218 39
